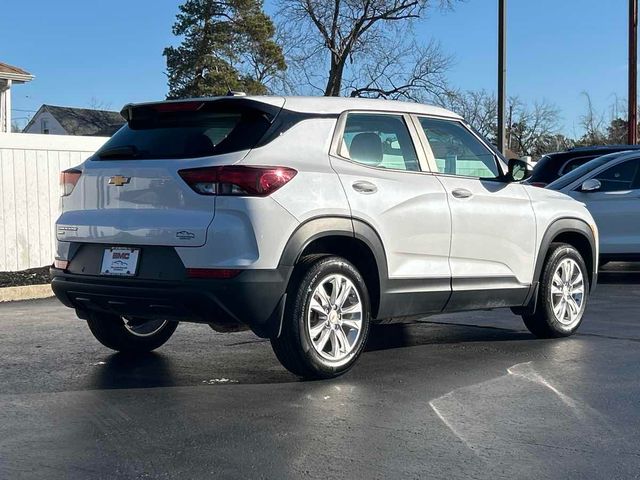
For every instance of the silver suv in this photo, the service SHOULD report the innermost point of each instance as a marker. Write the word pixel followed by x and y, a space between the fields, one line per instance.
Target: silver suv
pixel 306 220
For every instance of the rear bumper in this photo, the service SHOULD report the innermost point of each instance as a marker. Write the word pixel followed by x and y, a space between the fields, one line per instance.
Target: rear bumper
pixel 255 298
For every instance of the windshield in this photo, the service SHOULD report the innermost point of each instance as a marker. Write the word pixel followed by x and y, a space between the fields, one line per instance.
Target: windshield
pixel 186 130
pixel 574 175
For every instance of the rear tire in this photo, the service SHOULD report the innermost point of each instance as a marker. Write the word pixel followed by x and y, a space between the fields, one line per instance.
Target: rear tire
pixel 326 320
pixel 563 294
pixel 130 335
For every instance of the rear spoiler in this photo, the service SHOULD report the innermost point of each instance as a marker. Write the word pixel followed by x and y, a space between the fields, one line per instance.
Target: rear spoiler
pixel 131 111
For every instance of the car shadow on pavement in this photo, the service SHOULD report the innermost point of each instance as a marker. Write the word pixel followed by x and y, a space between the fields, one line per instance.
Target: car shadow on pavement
pixel 384 337
pixel 121 370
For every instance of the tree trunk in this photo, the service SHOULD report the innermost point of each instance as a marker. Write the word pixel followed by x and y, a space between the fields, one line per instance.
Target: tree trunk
pixel 334 83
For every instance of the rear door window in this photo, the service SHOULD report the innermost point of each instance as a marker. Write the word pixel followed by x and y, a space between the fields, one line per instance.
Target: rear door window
pixel 186 130
pixel 379 140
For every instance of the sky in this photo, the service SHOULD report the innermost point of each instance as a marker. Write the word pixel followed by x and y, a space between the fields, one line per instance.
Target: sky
pixel 109 53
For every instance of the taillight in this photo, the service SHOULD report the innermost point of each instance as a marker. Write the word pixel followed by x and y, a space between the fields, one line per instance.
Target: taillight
pixel 237 180
pixel 538 184
pixel 68 180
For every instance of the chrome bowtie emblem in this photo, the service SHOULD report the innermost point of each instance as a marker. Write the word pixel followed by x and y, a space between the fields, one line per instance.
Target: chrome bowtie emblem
pixel 119 180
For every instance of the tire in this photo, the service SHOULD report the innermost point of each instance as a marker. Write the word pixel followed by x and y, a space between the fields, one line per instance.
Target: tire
pixel 130 335
pixel 556 289
pixel 310 344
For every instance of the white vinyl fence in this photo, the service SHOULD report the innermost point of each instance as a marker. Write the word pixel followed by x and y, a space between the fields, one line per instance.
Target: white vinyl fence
pixel 29 193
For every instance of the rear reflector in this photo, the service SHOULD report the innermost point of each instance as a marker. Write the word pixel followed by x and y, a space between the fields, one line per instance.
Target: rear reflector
pixel 237 180
pixel 219 273
pixel 68 180
pixel 61 264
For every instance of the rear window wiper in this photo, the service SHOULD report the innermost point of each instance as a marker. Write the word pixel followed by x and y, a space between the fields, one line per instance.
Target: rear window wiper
pixel 120 151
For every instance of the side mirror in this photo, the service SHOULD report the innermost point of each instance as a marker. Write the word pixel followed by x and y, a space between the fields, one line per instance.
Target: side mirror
pixel 591 185
pixel 519 170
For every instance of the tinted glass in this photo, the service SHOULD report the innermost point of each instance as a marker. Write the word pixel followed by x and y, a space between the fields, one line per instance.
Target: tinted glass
pixel 571 165
pixel 619 177
pixel 186 134
pixel 457 151
pixel 379 141
pixel 579 172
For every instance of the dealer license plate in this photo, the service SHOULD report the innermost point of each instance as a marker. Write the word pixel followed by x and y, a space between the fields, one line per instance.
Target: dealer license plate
pixel 121 261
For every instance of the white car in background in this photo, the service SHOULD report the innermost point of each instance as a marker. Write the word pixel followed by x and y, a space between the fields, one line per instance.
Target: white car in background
pixel 610 188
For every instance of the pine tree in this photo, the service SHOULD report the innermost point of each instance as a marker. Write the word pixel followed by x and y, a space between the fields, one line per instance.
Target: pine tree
pixel 226 45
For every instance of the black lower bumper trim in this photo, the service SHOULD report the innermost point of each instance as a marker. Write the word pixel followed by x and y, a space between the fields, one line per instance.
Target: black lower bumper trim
pixel 253 298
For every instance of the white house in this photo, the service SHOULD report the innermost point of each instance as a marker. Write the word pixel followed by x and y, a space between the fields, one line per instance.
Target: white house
pixel 54 120
pixel 9 76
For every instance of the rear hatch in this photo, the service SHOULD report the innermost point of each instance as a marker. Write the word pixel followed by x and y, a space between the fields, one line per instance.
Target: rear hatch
pixel 130 192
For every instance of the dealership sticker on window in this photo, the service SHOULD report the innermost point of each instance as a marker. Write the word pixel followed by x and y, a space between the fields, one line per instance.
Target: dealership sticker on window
pixel 120 261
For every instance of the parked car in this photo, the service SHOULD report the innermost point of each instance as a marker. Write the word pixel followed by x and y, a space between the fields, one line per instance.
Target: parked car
pixel 610 188
pixel 307 219
pixel 554 165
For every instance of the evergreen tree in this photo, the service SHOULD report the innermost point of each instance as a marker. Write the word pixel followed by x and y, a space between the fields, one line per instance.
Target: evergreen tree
pixel 226 45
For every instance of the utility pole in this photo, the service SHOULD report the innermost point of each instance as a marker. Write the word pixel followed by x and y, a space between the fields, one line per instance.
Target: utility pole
pixel 502 73
pixel 633 73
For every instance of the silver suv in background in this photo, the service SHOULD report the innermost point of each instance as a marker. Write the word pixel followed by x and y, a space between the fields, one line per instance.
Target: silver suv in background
pixel 307 219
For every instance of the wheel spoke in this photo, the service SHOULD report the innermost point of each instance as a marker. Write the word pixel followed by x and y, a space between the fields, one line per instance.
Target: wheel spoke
pixel 337 285
pixel 355 324
pixel 322 341
pixel 555 290
pixel 335 347
pixel 343 295
pixel 316 307
pixel 344 341
pixel 573 305
pixel 355 308
pixel 316 329
pixel 322 295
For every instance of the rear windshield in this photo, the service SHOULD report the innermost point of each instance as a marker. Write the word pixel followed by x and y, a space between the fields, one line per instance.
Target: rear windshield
pixel 574 175
pixel 187 130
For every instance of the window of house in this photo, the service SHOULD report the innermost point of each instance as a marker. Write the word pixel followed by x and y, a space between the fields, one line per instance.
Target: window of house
pixel 379 140
pixel 457 151
pixel 44 126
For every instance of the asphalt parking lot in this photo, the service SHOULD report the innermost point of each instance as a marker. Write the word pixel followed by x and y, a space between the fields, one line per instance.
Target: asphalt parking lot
pixel 465 396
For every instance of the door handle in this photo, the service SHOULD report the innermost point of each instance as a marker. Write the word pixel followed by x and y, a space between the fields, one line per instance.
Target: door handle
pixel 362 186
pixel 461 193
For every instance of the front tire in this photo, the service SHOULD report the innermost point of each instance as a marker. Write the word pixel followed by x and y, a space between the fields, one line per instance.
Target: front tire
pixel 563 294
pixel 130 335
pixel 326 320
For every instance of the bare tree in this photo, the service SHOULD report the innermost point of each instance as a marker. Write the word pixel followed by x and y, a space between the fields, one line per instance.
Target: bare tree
pixel 97 104
pixel 478 107
pixel 337 35
pixel 534 129
pixel 593 124
pixel 402 72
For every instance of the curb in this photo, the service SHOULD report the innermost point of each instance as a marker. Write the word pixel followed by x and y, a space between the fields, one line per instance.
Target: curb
pixel 27 292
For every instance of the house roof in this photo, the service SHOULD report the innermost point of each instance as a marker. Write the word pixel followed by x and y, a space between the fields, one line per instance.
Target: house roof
pixel 83 121
pixel 16 74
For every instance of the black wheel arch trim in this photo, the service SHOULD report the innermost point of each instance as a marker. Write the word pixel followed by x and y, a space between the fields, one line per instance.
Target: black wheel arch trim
pixel 328 226
pixel 567 225
pixel 336 226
